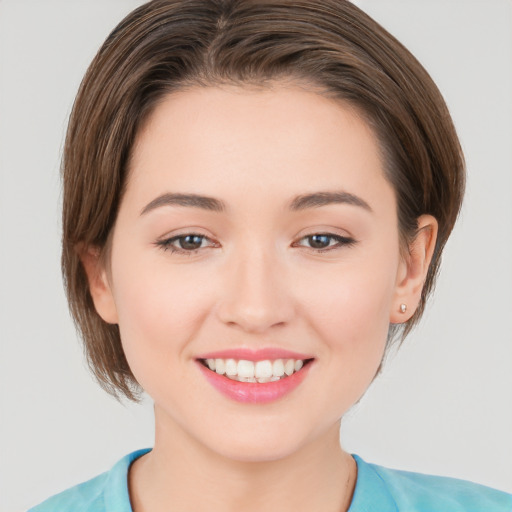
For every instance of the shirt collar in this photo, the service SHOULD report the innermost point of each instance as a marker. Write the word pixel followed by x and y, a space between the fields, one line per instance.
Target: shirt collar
pixel 371 492
pixel 117 496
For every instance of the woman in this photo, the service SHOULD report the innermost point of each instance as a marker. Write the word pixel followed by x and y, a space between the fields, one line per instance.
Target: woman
pixel 256 199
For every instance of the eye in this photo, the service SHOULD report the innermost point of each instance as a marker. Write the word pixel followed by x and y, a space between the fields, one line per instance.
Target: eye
pixel 322 242
pixel 188 243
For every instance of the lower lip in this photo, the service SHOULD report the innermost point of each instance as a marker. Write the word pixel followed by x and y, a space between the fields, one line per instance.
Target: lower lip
pixel 252 392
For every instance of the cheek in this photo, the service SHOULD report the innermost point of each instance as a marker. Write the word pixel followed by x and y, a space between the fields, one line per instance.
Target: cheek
pixel 160 310
pixel 350 312
pixel 351 304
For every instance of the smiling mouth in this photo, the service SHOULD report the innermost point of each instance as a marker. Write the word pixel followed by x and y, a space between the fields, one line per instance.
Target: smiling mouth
pixel 261 372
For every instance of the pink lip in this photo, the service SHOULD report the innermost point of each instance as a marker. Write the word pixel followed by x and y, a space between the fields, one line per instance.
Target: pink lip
pixel 253 392
pixel 254 355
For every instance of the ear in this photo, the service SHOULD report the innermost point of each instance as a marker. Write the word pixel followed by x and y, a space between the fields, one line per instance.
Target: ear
pixel 413 269
pixel 99 285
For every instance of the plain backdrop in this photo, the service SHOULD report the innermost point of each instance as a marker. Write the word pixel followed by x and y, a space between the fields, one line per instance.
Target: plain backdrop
pixel 444 402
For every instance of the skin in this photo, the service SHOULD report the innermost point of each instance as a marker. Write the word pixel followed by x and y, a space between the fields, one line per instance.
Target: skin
pixel 255 282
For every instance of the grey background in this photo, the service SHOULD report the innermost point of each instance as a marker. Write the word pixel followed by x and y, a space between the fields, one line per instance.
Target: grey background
pixel 444 402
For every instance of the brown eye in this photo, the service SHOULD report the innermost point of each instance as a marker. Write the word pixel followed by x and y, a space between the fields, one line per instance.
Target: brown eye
pixel 190 242
pixel 322 242
pixel 319 241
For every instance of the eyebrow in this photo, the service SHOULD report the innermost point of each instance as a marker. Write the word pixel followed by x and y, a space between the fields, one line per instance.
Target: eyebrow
pixel 190 200
pixel 299 203
pixel 318 199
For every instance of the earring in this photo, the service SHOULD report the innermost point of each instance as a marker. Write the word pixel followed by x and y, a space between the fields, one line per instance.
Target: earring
pixel 403 308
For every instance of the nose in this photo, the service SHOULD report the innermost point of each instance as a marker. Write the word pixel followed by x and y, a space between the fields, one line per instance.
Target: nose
pixel 255 294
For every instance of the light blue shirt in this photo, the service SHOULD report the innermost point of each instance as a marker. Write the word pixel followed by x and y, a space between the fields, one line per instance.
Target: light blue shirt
pixel 378 489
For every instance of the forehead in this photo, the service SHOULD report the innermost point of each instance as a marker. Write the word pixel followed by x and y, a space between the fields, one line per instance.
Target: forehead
pixel 236 140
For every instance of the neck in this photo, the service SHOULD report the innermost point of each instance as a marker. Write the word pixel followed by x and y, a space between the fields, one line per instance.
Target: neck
pixel 181 474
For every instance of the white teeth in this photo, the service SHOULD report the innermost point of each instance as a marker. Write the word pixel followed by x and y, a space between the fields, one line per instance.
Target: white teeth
pixel 231 367
pixel 220 366
pixel 259 371
pixel 245 369
pixel 289 367
pixel 241 379
pixel 278 368
pixel 263 369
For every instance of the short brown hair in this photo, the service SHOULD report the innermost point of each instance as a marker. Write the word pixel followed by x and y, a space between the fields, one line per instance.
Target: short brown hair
pixel 166 45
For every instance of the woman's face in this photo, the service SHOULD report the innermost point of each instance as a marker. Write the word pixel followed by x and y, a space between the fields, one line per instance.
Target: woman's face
pixel 257 225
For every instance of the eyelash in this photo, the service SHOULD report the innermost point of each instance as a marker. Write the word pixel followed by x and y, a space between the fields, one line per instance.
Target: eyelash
pixel 166 244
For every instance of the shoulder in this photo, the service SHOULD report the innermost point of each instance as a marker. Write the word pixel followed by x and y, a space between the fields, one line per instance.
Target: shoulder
pixel 107 492
pixel 416 492
pixel 85 497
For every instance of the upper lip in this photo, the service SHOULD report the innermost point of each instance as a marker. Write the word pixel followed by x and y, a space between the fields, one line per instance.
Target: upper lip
pixel 248 354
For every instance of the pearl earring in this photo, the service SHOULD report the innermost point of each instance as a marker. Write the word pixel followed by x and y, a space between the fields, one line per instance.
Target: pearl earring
pixel 403 308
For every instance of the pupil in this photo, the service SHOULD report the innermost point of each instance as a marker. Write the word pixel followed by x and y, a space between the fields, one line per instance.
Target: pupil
pixel 319 241
pixel 190 242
